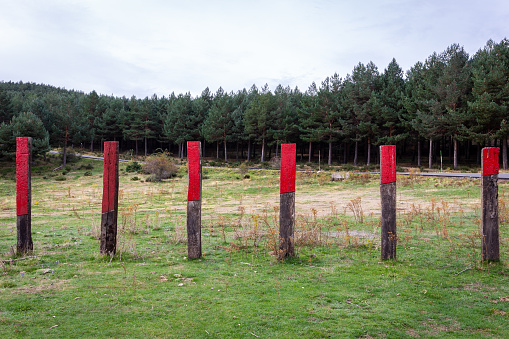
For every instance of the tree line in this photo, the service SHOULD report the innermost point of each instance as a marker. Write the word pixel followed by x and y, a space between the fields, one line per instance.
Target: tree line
pixel 450 103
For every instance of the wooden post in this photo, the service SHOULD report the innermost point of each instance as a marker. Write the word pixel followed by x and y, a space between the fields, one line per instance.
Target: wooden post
pixel 110 199
pixel 24 195
pixel 287 202
pixel 194 200
pixel 388 201
pixel 489 204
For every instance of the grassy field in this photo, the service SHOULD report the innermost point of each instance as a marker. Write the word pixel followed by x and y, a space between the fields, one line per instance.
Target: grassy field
pixel 336 286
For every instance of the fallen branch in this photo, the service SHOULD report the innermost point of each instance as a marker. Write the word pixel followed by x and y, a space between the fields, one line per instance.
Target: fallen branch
pixel 13 260
pixel 466 269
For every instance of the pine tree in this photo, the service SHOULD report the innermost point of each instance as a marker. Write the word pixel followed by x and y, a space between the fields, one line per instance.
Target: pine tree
pixel 490 95
pixel 219 123
pixel 6 107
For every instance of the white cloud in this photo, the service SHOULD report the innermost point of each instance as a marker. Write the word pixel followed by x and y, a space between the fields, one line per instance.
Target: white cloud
pixel 141 48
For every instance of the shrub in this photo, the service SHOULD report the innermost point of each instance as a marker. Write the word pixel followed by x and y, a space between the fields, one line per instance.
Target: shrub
pixel 133 167
pixel 275 162
pixel 86 167
pixel 135 178
pixel 87 173
pixel 160 166
pixel 151 178
pixel 71 156
pixel 243 169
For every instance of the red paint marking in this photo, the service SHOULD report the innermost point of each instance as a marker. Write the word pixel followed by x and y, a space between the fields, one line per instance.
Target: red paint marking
pixel 22 175
pixel 490 160
pixel 288 155
pixel 193 156
pixel 387 164
pixel 22 145
pixel 110 176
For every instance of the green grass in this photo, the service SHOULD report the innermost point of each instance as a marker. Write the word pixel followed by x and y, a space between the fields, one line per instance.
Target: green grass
pixel 336 286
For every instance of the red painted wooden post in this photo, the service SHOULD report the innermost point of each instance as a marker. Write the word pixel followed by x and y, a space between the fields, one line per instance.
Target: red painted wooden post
pixel 287 202
pixel 194 200
pixel 388 201
pixel 110 199
pixel 24 195
pixel 489 204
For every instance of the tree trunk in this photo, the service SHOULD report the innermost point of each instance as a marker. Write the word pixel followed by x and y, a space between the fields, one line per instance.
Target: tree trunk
pixel 330 154
pixel 504 153
pixel 64 155
pixel 237 152
pixel 92 145
pixel 451 153
pixel 455 153
pixel 478 157
pixel 345 153
pixel 356 153
pixel 225 152
pixel 430 159
pixel 136 146
pixel 309 159
pixel 146 146
pixel 419 153
pixel 368 161
pixel 263 150
pixel 249 150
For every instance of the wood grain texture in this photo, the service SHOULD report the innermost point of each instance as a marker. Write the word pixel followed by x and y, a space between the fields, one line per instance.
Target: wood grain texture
pixel 489 218
pixel 388 221
pixel 286 225
pixel 194 229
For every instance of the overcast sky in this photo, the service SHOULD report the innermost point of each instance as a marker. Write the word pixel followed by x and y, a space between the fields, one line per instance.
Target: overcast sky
pixel 141 48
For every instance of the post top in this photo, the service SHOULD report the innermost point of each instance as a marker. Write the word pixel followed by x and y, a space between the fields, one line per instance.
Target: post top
pixel 490 164
pixel 287 173
pixel 387 164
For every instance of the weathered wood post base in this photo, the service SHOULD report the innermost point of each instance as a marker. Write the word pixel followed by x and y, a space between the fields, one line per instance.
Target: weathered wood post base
pixel 194 229
pixel 110 200
pixel 286 225
pixel 489 204
pixel 108 233
pixel 24 242
pixel 194 201
pixel 388 220
pixel 388 201
pixel 287 202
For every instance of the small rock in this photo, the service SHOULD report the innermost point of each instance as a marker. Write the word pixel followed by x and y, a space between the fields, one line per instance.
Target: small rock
pixel 45 270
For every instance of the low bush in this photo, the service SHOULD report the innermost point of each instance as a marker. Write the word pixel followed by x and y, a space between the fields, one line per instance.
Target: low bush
pixel 160 167
pixel 133 167
pixel 86 167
